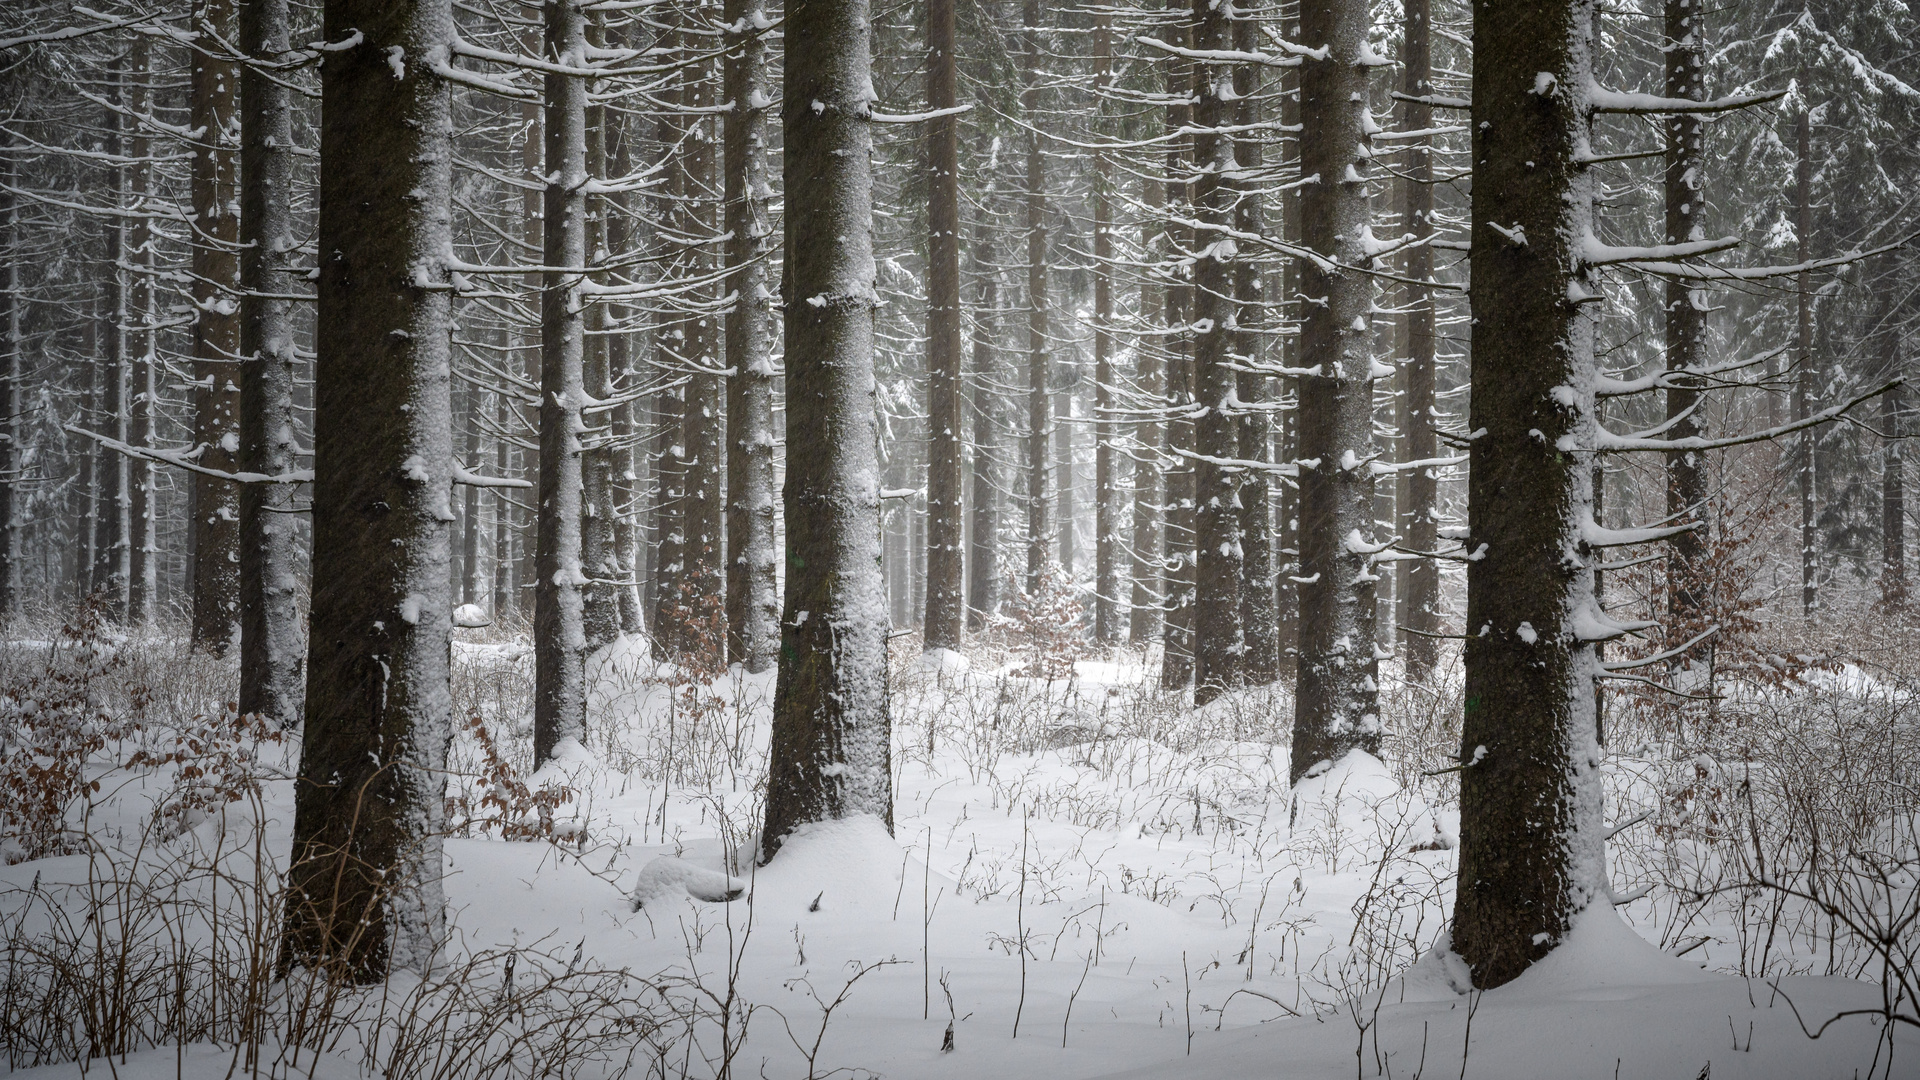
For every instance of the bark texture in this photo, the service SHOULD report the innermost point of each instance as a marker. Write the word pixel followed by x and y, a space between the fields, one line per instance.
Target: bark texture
pixel 364 889
pixel 215 99
pixel 1177 536
pixel 1532 840
pixel 983 506
pixel 831 742
pixel 1686 306
pixel 1260 663
pixel 1038 401
pixel 946 556
pixel 1336 710
pixel 1419 516
pixel 753 602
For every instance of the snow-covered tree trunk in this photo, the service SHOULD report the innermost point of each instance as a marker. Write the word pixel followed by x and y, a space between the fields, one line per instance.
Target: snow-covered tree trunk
pixel 1336 709
pixel 1144 621
pixel 214 92
pixel 559 628
pixel 272 662
pixel 753 600
pixel 504 601
pixel 10 254
pixel 704 580
pixel 470 505
pixel 983 524
pixel 1287 510
pixel 1038 359
pixel 1177 517
pixel 1686 303
pixel 946 599
pixel 1532 839
pixel 831 743
pixel 1893 487
pixel 1219 637
pixel 624 501
pixel 1107 491
pixel 365 892
pixel 109 519
pixel 599 558
pixel 1260 663
pixel 1419 517
pixel 143 552
pixel 1803 359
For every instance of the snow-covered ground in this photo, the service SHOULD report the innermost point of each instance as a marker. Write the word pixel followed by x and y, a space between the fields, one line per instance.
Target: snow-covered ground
pixel 1083 879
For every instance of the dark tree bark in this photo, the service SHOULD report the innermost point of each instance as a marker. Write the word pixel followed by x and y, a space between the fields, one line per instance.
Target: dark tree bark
pixel 831 743
pixel 1106 483
pixel 753 603
pixel 1893 489
pixel 983 526
pixel 1038 401
pixel 1287 508
pixel 1419 518
pixel 142 554
pixel 364 892
pixel 9 373
pixel 624 496
pixel 215 99
pixel 1336 710
pixel 1219 558
pixel 272 659
pixel 1261 660
pixel 704 580
pixel 1532 838
pixel 1686 304
pixel 559 602
pixel 946 570
pixel 599 556
pixel 1803 362
pixel 504 602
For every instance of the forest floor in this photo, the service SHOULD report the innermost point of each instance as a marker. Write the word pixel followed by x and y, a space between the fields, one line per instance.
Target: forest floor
pixel 1084 879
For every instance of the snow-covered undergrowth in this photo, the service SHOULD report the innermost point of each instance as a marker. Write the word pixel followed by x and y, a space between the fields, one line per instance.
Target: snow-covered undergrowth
pixel 1085 877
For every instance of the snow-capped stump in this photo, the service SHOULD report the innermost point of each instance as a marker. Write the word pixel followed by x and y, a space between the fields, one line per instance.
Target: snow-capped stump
pixel 668 878
pixel 471 617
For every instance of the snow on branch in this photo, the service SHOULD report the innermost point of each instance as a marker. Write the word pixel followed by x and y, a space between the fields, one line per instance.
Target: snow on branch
pixel 1677 650
pixel 915 118
pixel 1233 56
pixel 188 460
pixel 1595 253
pixel 1761 273
pixel 1615 101
pixel 1608 441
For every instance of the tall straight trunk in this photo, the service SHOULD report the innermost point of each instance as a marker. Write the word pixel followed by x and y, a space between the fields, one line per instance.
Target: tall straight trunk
pixel 503 532
pixel 946 584
pixel 1260 663
pixel 533 223
pixel 470 583
pixel 365 892
pixel 1145 618
pixel 753 602
pixel 142 554
pixel 86 485
pixel 1893 490
pixel 1803 361
pixel 1292 226
pixel 1176 659
pixel 1336 707
pixel 1038 402
pixel 1219 634
pixel 109 521
pixel 215 101
pixel 559 628
pixel 1419 517
pixel 1532 838
pixel 1686 305
pixel 831 743
pixel 272 664
pixel 624 496
pixel 599 558
pixel 1106 486
pixel 10 547
pixel 1064 511
pixel 983 525
pixel 704 432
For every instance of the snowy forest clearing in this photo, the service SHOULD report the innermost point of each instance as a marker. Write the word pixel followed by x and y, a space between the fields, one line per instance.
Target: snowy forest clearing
pixel 1182 914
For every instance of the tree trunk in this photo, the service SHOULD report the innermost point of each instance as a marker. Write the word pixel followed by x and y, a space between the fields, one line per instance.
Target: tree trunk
pixel 1686 307
pixel 142 554
pixel 1219 637
pixel 624 501
pixel 1336 710
pixel 1145 619
pixel 1803 361
pixel 1292 226
pixel 1261 661
pixel 559 602
pixel 10 548
pixel 1176 659
pixel 109 521
pixel 1532 838
pixel 1038 402
pixel 599 557
pixel 946 600
pixel 365 891
pixel 214 88
pixel 1419 518
pixel 753 612
pixel 470 509
pixel 1893 490
pixel 704 580
pixel 504 600
pixel 272 661
pixel 831 743
pixel 983 558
